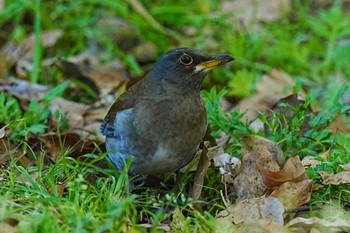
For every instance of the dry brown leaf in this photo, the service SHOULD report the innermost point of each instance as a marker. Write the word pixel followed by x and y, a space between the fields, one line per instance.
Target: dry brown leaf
pixel 253 11
pixel 67 142
pixel 107 82
pixel 286 114
pixel 60 188
pixel 3 65
pixel 25 50
pixel 2 4
pixel 8 150
pixel 22 179
pixel 335 179
pixel 310 161
pixel 103 78
pixel 202 168
pixel 252 210
pixel 293 170
pixel 270 88
pixel 293 194
pixel 249 183
pixel 22 89
pixel 260 226
pixel 334 225
pixel 252 140
pixel 339 124
pixel 73 111
pixel 7 228
pixel 3 131
pixel 346 167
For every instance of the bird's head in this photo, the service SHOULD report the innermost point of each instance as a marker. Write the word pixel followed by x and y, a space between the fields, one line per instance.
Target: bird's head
pixel 184 68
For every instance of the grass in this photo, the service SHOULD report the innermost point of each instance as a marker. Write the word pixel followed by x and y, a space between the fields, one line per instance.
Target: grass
pixel 76 195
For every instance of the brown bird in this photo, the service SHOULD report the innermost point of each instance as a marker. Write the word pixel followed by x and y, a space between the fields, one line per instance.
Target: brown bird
pixel 161 120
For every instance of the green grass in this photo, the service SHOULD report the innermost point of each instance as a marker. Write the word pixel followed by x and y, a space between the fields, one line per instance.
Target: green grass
pixel 76 195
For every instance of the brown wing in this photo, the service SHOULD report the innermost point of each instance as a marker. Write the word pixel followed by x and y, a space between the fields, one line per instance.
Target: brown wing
pixel 125 101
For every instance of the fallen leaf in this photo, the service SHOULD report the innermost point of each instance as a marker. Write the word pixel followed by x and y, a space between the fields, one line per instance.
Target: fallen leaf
pixel 260 226
pixel 107 82
pixel 3 64
pixel 74 112
pixel 346 167
pixel 60 189
pixel 252 140
pixel 249 182
pixel 269 89
pixel 3 131
pixel 25 50
pixel 103 78
pixel 252 210
pixel 293 194
pixel 285 114
pixel 8 150
pixel 202 168
pixel 7 228
pixel 23 179
pixel 335 179
pixel 293 170
pixel 310 161
pixel 252 12
pixel 334 225
pixel 67 142
pixel 22 89
pixel 2 4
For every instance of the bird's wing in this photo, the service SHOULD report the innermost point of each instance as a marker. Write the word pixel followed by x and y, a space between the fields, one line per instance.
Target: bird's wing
pixel 126 101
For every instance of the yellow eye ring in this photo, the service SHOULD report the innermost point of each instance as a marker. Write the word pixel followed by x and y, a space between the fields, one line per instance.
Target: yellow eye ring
pixel 186 59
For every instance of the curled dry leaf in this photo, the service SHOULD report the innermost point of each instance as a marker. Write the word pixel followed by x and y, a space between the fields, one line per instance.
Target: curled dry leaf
pixel 252 210
pixel 293 194
pixel 293 170
pixel 335 179
pixel 249 183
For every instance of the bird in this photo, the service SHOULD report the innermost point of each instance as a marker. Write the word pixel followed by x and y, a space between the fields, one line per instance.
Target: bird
pixel 161 120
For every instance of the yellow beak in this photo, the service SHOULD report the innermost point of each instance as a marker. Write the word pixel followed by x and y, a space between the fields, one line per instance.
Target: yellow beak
pixel 216 60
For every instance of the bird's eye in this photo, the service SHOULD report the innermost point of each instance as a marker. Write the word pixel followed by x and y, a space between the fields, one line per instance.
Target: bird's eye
pixel 186 59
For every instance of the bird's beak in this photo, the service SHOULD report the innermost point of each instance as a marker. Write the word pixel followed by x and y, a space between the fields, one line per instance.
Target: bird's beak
pixel 216 60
